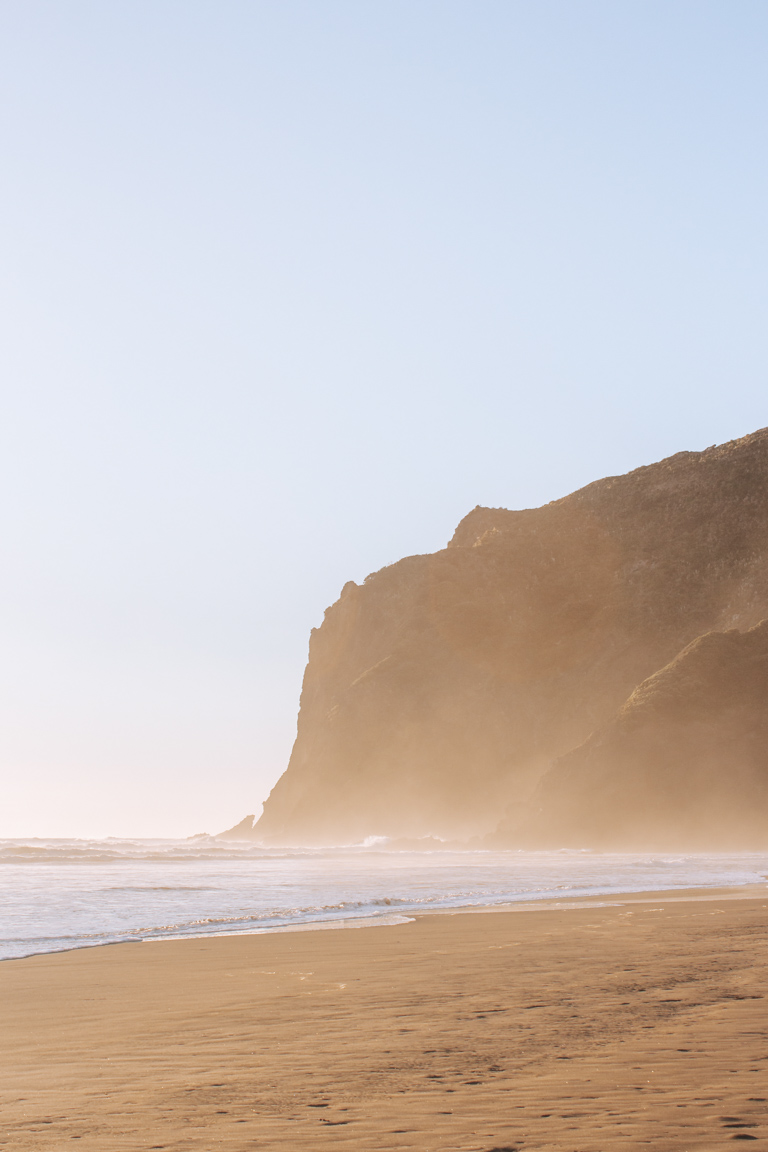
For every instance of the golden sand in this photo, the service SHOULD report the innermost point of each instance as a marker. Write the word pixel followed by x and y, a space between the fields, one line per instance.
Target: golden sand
pixel 582 1029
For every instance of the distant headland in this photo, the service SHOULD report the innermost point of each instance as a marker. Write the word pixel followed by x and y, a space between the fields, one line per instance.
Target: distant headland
pixel 592 673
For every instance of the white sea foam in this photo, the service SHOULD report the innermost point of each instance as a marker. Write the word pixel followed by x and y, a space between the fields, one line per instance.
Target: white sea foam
pixel 62 894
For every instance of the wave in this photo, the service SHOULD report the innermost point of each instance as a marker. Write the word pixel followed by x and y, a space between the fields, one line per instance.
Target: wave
pixel 60 894
pixel 34 850
pixel 19 946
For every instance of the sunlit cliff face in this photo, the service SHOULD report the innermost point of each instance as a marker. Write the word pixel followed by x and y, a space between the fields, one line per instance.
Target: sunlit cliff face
pixel 684 764
pixel 451 694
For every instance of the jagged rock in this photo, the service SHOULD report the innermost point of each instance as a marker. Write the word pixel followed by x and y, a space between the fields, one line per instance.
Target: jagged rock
pixel 241 831
pixel 439 691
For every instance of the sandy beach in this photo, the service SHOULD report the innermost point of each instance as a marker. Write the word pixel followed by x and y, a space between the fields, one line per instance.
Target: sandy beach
pixel 579 1027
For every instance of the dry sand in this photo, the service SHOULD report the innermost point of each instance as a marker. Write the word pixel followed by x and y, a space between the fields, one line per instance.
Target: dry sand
pixel 583 1028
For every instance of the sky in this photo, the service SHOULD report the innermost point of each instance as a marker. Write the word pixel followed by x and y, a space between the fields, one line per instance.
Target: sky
pixel 286 290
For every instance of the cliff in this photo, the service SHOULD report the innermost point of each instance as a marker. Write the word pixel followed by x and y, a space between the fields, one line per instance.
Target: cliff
pixel 439 692
pixel 241 831
pixel 684 764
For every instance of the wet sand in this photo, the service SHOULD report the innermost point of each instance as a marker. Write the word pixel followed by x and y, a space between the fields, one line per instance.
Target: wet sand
pixel 579 1028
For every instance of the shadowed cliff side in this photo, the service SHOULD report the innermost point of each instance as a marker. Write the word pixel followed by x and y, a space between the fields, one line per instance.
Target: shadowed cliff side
pixel 439 691
pixel 684 764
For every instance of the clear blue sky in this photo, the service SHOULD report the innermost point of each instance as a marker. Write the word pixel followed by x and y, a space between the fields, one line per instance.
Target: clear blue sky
pixel 287 289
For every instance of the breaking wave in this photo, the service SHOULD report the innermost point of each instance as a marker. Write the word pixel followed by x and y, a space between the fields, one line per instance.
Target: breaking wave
pixel 60 894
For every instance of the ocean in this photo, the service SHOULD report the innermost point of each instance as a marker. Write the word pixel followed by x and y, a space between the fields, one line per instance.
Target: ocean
pixel 60 894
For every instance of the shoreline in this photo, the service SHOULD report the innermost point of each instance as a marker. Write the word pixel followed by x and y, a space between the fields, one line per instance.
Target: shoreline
pixel 395 918
pixel 584 1028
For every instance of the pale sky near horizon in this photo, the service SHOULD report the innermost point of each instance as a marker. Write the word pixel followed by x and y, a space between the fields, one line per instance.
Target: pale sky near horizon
pixel 287 289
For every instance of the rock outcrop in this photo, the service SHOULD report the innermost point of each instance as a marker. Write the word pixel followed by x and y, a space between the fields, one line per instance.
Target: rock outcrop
pixel 684 764
pixel 241 831
pixel 439 692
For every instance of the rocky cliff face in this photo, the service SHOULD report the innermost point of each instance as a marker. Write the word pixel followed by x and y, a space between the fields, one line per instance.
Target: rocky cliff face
pixel 684 763
pixel 439 692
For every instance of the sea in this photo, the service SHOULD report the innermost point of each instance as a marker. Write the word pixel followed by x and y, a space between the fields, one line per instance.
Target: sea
pixel 60 894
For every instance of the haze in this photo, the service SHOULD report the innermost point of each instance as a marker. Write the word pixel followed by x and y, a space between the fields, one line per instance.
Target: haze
pixel 287 289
